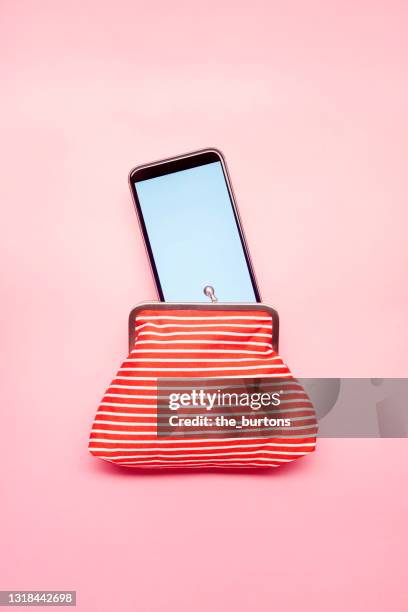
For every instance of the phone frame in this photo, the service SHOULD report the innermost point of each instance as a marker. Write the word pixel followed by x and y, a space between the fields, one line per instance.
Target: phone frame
pixel 175 164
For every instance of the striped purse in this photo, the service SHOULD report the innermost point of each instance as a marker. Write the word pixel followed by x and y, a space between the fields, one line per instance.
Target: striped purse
pixel 203 386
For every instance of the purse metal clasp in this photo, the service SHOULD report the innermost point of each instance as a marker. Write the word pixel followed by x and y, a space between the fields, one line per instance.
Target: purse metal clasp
pixel 209 292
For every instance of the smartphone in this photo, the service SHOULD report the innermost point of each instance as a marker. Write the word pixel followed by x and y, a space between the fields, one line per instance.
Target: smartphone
pixel 192 230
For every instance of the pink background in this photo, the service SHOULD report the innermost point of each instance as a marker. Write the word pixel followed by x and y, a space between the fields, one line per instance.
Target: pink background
pixel 308 101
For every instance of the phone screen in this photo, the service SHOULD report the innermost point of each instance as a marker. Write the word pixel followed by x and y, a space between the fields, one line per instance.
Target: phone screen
pixel 193 235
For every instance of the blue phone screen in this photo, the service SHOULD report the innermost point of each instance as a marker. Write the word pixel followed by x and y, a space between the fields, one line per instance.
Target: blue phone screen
pixel 194 236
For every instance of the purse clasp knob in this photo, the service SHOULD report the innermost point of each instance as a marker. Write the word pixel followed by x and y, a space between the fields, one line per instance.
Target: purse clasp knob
pixel 209 292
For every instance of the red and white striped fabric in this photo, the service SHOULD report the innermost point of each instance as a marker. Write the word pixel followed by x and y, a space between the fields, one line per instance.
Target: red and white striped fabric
pixel 185 343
